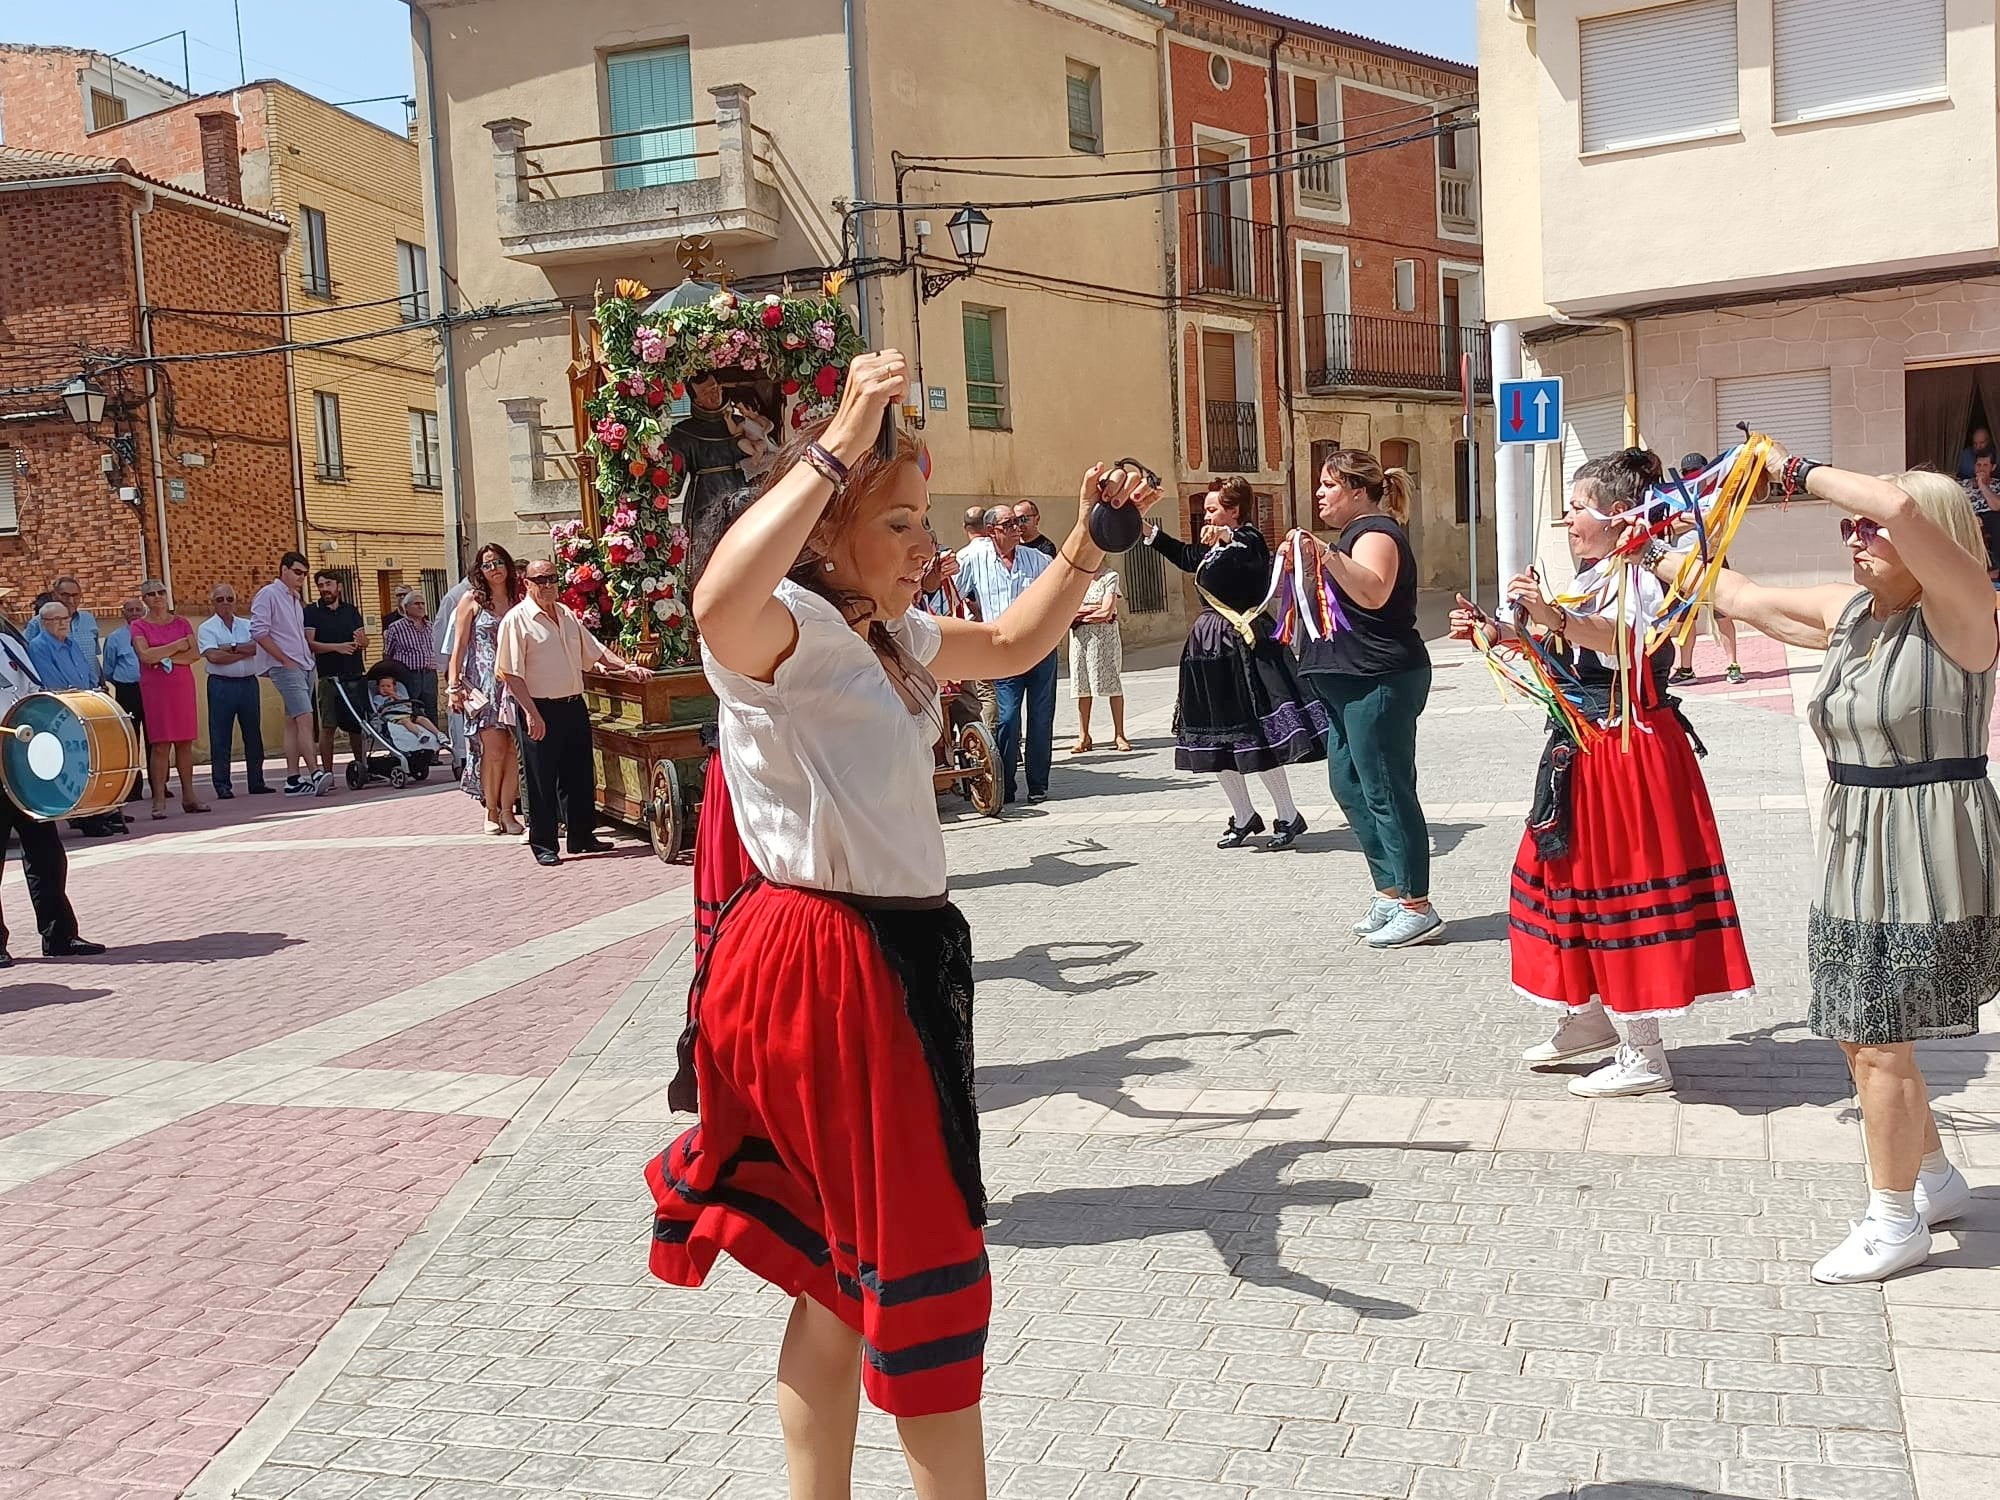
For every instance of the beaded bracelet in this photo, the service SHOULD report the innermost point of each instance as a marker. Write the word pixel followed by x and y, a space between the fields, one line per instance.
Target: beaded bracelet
pixel 1794 473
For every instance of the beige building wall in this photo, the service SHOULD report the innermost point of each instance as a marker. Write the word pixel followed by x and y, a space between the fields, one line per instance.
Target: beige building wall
pixel 1510 157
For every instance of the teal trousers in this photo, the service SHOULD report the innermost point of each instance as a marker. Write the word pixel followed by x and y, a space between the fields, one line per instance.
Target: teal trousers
pixel 1371 765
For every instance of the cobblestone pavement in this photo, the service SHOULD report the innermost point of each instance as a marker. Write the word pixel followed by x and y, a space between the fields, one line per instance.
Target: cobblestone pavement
pixel 1274 1214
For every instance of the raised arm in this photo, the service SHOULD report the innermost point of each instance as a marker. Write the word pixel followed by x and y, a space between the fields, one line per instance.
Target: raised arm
pixel 742 625
pixel 1030 628
pixel 1184 555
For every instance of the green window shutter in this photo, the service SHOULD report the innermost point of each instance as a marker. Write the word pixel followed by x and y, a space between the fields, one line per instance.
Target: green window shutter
pixel 985 400
pixel 649 89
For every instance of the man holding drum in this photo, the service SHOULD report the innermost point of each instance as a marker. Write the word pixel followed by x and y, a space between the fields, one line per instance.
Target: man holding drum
pixel 42 857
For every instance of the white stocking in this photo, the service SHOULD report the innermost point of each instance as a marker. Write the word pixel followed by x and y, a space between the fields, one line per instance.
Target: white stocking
pixel 1280 787
pixel 1237 790
pixel 1643 1033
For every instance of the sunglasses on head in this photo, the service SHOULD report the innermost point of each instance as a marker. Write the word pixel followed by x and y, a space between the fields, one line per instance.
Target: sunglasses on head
pixel 1863 530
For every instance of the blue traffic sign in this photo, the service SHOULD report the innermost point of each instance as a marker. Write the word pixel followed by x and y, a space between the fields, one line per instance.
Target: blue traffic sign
pixel 1531 411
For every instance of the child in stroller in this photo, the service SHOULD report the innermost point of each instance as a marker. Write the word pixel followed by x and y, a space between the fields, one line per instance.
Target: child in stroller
pixel 405 743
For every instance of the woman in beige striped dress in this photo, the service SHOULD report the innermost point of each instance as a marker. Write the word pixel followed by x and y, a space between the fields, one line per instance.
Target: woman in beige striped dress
pixel 1904 940
pixel 1097 660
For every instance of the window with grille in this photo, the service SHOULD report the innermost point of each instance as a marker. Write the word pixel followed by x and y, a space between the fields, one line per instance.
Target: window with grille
pixel 1086 109
pixel 328 462
pixel 434 583
pixel 1142 579
pixel 1666 73
pixel 10 510
pixel 350 580
pixel 652 116
pixel 1837 57
pixel 319 271
pixel 413 281
pixel 426 473
pixel 106 110
pixel 986 368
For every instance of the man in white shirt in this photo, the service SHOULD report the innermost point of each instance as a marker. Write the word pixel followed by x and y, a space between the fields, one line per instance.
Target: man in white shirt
pixel 235 673
pixel 540 653
pixel 993 577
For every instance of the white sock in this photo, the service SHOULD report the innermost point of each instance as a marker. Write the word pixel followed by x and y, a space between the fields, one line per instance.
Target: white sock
pixel 1644 1033
pixel 1888 1207
pixel 1237 790
pixel 1936 1163
pixel 1280 787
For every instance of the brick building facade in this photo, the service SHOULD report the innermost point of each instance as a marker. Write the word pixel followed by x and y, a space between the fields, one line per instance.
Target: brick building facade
pixel 199 484
pixel 1327 266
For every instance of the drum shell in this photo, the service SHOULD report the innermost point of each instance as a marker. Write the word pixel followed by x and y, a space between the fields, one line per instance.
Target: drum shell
pixel 113 756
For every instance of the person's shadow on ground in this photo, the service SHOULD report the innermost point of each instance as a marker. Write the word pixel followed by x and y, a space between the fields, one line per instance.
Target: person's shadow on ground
pixel 207 948
pixel 1053 870
pixel 18 998
pixel 1100 1075
pixel 1048 966
pixel 1245 1237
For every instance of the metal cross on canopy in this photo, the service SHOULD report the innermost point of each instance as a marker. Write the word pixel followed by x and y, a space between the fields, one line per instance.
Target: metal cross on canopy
pixel 699 261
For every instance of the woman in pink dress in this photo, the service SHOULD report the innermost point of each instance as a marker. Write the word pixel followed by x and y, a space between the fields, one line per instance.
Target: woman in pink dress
pixel 167 652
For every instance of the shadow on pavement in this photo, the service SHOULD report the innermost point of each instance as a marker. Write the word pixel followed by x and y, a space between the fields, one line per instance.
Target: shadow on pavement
pixel 1246 1237
pixel 1039 964
pixel 1630 1489
pixel 16 998
pixel 210 947
pixel 1054 870
pixel 1099 1075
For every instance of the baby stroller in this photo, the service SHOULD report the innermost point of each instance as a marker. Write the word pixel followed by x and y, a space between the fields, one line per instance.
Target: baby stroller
pixel 400 752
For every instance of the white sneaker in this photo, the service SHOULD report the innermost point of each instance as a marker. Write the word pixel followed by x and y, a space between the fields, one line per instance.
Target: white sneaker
pixel 1874 1251
pixel 1407 928
pixel 1944 1200
pixel 1380 910
pixel 322 783
pixel 1635 1070
pixel 1578 1034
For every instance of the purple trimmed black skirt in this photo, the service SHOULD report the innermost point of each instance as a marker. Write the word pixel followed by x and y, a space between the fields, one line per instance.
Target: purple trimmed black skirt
pixel 1241 707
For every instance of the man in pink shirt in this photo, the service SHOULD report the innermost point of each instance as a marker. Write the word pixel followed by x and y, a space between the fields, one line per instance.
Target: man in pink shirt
pixel 278 626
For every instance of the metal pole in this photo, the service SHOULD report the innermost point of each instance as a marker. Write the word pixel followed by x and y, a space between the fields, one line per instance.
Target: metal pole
pixel 1471 479
pixel 242 73
pixel 1514 504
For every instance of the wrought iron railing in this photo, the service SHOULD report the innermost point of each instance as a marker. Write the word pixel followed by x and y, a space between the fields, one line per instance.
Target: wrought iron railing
pixel 1232 436
pixel 1400 354
pixel 1235 256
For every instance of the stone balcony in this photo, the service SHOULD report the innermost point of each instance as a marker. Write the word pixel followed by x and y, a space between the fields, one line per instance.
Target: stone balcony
pixel 584 199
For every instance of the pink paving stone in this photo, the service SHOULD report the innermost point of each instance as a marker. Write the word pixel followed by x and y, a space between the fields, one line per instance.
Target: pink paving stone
pixel 18 1112
pixel 258 944
pixel 525 1031
pixel 79 1404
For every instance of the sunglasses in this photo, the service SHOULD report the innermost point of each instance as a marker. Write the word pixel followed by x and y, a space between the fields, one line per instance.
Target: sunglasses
pixel 1006 525
pixel 490 564
pixel 539 577
pixel 1863 530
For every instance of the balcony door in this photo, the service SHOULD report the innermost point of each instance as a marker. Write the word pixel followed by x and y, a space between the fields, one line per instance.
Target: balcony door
pixel 1230 413
pixel 651 95
pixel 1459 309
pixel 1217 198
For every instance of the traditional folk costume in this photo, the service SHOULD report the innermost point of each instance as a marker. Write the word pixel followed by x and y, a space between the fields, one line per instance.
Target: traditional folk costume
pixel 1620 895
pixel 830 1022
pixel 1241 708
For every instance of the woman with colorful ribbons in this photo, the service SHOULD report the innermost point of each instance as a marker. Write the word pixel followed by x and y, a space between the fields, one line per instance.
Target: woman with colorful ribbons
pixel 1241 710
pixel 1374 678
pixel 1903 943
pixel 1620 899
pixel 840 975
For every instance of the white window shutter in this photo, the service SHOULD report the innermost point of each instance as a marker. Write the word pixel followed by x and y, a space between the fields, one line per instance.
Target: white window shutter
pixel 1838 56
pixel 1796 408
pixel 1591 429
pixel 10 511
pixel 1663 74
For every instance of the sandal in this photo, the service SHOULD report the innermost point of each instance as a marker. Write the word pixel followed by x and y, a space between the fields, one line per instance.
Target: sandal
pixel 194 807
pixel 1083 746
pixel 1123 744
pixel 160 812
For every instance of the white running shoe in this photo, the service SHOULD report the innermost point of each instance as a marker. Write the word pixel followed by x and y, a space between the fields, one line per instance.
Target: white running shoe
pixel 1579 1034
pixel 1634 1070
pixel 1874 1251
pixel 1380 910
pixel 1944 1200
pixel 322 783
pixel 1407 928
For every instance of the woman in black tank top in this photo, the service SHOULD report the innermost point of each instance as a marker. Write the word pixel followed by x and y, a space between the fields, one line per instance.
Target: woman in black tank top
pixel 1374 678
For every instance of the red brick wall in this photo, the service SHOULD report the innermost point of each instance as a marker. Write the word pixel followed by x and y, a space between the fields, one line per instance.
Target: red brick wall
pixel 41 109
pixel 67 290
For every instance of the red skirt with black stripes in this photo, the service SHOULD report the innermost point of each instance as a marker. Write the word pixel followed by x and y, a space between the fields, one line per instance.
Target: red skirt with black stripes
pixel 830 1159
pixel 1639 914
pixel 721 863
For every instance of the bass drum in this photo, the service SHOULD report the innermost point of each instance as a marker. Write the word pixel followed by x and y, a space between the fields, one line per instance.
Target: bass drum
pixel 67 754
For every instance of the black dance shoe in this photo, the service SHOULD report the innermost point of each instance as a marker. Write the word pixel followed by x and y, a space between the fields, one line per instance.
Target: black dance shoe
pixel 74 948
pixel 1284 835
pixel 1241 833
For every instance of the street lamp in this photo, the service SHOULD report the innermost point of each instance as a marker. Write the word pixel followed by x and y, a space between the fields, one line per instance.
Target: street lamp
pixel 969 229
pixel 83 401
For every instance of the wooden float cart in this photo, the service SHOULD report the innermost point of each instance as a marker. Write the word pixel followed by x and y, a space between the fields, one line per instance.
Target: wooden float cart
pixel 649 740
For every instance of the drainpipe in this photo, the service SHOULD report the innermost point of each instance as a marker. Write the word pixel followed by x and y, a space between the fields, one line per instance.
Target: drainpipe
pixel 1627 333
pixel 854 151
pixel 448 437
pixel 152 390
pixel 292 405
pixel 1281 187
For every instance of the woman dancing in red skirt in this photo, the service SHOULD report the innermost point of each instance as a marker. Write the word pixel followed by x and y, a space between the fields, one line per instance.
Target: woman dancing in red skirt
pixel 830 1025
pixel 1620 897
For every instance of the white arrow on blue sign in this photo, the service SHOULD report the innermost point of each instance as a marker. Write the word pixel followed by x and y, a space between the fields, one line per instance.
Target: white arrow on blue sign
pixel 1530 411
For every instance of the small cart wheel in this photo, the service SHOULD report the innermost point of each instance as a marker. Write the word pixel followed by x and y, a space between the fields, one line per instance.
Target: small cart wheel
pixel 421 771
pixel 665 823
pixel 979 759
pixel 398 777
pixel 355 775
